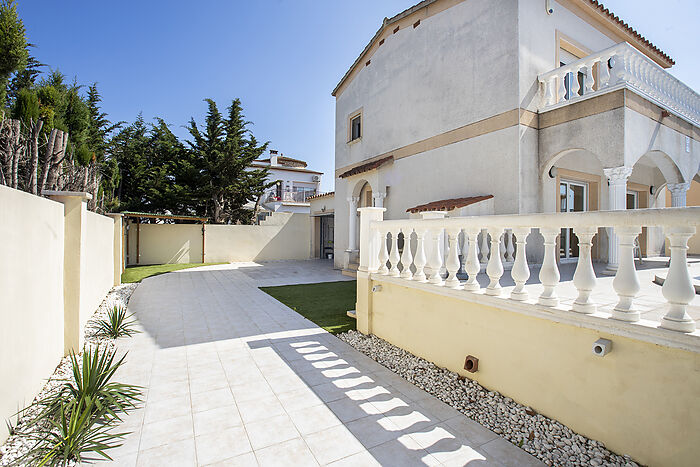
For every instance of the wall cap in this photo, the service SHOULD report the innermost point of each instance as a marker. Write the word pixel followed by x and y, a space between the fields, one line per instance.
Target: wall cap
pixel 68 194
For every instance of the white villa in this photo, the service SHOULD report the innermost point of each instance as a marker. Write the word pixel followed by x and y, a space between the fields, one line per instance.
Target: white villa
pixel 295 183
pixel 512 107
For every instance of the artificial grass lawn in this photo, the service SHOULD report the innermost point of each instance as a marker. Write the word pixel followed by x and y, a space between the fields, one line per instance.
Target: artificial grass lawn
pixel 138 273
pixel 326 304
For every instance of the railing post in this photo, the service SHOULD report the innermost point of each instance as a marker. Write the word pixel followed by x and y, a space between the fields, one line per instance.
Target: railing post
pixel 484 246
pixel 510 249
pixel 383 254
pixel 453 260
pixel 549 273
pixel 369 239
pixel 678 287
pixel 419 261
pixel 495 267
pixel 394 256
pixel 436 258
pixel 520 271
pixel 406 256
pixel 626 282
pixel 584 276
pixel 471 265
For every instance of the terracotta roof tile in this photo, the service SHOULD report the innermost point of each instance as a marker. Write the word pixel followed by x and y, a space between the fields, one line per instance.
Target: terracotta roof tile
pixel 366 167
pixel 321 195
pixel 448 204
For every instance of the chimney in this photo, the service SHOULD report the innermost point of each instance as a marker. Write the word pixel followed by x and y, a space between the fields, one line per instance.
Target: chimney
pixel 273 157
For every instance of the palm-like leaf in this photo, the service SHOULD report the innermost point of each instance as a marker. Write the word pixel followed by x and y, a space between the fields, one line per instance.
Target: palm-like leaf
pixel 117 324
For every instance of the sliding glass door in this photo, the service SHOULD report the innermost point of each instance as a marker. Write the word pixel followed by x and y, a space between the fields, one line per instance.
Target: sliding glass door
pixel 573 197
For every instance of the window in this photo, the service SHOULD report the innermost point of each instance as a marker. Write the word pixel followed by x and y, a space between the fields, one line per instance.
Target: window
pixel 356 127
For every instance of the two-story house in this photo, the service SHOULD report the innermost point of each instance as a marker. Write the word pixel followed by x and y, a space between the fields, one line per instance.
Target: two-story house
pixel 294 183
pixel 511 106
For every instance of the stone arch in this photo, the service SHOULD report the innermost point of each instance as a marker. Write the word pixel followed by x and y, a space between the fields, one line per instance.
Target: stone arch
pixel 666 165
pixel 551 161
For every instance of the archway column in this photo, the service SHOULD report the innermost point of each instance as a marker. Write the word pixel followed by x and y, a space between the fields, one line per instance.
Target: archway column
pixel 617 200
pixel 352 223
pixel 678 192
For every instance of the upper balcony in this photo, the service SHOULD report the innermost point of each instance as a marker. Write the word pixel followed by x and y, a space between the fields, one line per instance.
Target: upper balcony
pixel 617 67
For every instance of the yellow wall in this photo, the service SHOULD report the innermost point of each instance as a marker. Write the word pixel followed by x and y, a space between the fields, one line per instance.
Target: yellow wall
pixel 57 265
pixel 641 399
pixel 281 236
pixel 31 297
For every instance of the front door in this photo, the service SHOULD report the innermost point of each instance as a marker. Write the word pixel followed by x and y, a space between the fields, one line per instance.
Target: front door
pixel 326 236
pixel 573 197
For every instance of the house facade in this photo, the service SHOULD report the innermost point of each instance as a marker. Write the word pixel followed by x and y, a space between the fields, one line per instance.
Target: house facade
pixel 511 107
pixel 294 183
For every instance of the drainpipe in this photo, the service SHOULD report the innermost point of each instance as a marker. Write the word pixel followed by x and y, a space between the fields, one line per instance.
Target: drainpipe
pixel 203 236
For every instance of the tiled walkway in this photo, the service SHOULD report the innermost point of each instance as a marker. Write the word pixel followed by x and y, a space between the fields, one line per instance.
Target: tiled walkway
pixel 234 377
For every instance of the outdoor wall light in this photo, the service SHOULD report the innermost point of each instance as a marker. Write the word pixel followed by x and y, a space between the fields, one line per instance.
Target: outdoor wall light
pixel 553 172
pixel 376 288
pixel 471 364
pixel 602 347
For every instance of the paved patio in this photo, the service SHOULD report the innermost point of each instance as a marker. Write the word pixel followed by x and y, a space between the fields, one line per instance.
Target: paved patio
pixel 234 377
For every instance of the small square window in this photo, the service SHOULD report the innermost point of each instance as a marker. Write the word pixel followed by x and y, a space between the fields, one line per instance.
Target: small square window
pixel 356 127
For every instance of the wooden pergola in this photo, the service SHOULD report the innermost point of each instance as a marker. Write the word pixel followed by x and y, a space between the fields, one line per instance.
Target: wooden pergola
pixel 145 215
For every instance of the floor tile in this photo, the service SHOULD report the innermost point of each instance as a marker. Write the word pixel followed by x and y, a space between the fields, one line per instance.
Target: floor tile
pixel 214 420
pixel 163 432
pixel 222 445
pixel 333 444
pixel 313 419
pixel 175 454
pixel 271 431
pixel 292 453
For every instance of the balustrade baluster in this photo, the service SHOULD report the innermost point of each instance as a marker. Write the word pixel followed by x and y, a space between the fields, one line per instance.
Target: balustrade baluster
pixel 383 254
pixel 502 248
pixel 394 255
pixel 574 84
pixel 626 282
pixel 452 262
pixel 549 94
pixel 520 271
pixel 463 254
pixel 549 273
pixel 561 88
pixel 588 78
pixel 436 258
pixel 584 277
pixel 472 265
pixel 678 288
pixel 510 249
pixel 406 256
pixel 420 261
pixel 484 246
pixel 603 72
pixel 495 267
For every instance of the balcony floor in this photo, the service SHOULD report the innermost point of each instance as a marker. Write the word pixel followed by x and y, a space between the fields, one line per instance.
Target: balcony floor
pixel 233 377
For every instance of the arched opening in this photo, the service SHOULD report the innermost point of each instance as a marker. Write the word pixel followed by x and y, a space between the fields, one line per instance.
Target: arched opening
pixel 366 199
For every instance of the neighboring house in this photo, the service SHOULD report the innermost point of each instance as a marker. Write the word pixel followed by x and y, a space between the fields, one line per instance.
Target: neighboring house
pixel 515 106
pixel 295 184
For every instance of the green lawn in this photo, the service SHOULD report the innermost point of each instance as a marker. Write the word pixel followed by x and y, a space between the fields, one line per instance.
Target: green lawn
pixel 326 304
pixel 138 273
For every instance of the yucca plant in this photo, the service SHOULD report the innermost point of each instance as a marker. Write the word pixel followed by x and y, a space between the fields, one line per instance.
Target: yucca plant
pixel 117 324
pixel 91 382
pixel 77 435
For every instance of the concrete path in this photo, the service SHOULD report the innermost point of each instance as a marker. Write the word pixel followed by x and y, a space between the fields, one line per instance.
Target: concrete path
pixel 233 377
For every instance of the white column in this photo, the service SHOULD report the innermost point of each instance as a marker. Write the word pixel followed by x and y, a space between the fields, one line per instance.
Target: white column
pixel 617 200
pixel 495 267
pixel 352 223
pixel 520 271
pixel 584 276
pixel 378 199
pixel 678 287
pixel 678 191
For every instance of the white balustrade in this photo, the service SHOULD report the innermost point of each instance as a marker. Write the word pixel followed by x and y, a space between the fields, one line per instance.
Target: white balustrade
pixel 452 263
pixel 406 256
pixel 616 67
pixel 495 267
pixel 471 264
pixel 383 254
pixel 420 261
pixel 520 271
pixel 678 224
pixel 584 277
pixel 435 258
pixel 394 255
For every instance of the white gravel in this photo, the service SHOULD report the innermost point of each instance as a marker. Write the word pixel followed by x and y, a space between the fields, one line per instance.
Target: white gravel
pixel 544 438
pixel 17 445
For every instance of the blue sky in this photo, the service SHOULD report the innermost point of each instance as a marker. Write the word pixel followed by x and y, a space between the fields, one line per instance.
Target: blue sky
pixel 282 58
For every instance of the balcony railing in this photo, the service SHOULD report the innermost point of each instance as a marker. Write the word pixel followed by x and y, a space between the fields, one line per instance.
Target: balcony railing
pixel 616 67
pixel 292 197
pixel 423 256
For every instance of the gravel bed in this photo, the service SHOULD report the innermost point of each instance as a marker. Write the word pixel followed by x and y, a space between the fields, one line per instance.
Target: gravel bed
pixel 17 445
pixel 547 439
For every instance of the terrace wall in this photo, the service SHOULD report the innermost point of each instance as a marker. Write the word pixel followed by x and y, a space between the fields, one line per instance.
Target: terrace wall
pixel 58 262
pixel 282 236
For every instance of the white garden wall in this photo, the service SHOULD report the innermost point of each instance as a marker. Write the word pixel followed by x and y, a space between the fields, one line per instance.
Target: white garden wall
pixel 57 265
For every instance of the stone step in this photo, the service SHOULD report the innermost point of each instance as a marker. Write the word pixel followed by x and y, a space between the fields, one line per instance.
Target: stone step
pixel 349 273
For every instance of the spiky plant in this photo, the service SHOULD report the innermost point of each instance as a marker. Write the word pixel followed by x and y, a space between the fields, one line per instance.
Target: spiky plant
pixel 91 382
pixel 79 433
pixel 117 324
